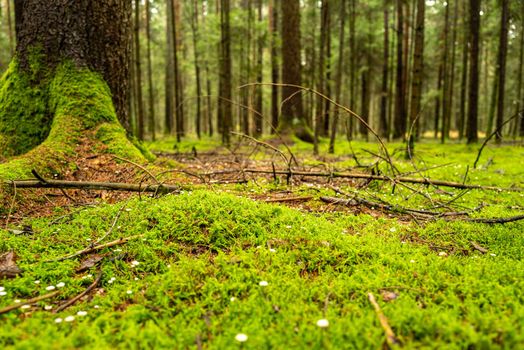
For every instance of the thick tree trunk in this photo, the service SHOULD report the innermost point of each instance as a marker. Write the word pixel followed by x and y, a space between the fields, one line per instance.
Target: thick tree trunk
pixel 64 85
pixel 292 109
pixel 194 28
pixel 138 74
pixel 80 31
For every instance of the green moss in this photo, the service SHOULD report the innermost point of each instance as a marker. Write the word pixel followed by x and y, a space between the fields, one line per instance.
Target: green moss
pixel 201 249
pixel 46 120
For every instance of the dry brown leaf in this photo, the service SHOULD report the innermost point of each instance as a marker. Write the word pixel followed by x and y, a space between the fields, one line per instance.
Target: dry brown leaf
pixel 388 296
pixel 8 267
pixel 89 262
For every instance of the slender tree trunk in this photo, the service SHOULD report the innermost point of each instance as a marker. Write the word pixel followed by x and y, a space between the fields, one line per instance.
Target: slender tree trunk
pixel 170 79
pixel 225 72
pixel 383 123
pixel 503 49
pixel 321 81
pixel 418 68
pixel 179 94
pixel 473 88
pixel 464 78
pixel 340 72
pixel 10 27
pixel 258 122
pixel 451 110
pixel 196 54
pixel 151 89
pixel 327 104
pixel 138 74
pixel 445 79
pixel 520 102
pixel 274 63
pixel 400 109
pixel 352 67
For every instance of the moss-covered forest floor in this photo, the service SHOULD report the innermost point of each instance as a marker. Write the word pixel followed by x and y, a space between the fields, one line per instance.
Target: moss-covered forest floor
pixel 269 255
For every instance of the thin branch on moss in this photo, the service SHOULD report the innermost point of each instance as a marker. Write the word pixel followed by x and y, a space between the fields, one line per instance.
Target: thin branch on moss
pixel 391 339
pixel 81 295
pixel 28 302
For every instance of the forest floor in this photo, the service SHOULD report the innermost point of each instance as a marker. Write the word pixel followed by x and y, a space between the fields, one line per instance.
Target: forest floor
pixel 284 247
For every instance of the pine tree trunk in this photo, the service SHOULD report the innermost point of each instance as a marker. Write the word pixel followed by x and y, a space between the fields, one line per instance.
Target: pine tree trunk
pixel 194 29
pixel 151 89
pixel 225 110
pixel 383 123
pixel 473 86
pixel 258 122
pixel 400 93
pixel 418 67
pixel 464 78
pixel 138 74
pixel 273 17
pixel 503 49
pixel 170 72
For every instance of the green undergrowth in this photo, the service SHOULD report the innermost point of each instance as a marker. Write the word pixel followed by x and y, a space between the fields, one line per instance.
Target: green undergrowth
pixel 44 115
pixel 203 256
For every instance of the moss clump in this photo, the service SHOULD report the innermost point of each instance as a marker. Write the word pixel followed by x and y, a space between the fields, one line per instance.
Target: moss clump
pixel 46 121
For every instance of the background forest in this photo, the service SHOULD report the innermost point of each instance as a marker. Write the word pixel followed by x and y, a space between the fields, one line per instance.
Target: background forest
pixel 363 54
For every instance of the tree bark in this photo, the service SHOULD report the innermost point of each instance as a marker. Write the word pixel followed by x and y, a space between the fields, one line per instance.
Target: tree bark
pixel 503 48
pixel 258 122
pixel 151 89
pixel 400 94
pixel 464 78
pixel 196 37
pixel 383 123
pixel 292 109
pixel 224 110
pixel 138 74
pixel 273 18
pixel 473 88
pixel 80 31
pixel 418 67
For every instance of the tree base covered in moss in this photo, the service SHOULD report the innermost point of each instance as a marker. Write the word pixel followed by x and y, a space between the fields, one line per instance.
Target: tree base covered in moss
pixel 44 115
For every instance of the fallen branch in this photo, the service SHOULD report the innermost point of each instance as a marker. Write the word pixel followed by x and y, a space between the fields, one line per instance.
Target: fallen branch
pixel 98 186
pixel 81 295
pixel 391 339
pixel 288 199
pixel 98 247
pixel 496 220
pixel 28 302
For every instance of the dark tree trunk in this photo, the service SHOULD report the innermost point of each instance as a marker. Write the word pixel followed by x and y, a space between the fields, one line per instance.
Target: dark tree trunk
pixel 473 88
pixel 179 93
pixel 292 108
pixel 259 69
pixel 399 129
pixel 383 122
pixel 503 49
pixel 151 89
pixel 274 64
pixel 520 103
pixel 320 112
pixel 464 78
pixel 418 66
pixel 194 28
pixel 225 110
pixel 444 93
pixel 80 31
pixel 340 73
pixel 138 74
pixel 170 72
pixel 352 66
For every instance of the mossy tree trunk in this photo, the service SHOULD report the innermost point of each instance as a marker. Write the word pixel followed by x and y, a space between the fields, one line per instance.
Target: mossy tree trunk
pixel 67 83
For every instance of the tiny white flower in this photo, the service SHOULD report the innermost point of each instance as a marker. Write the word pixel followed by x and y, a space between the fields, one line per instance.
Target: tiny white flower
pixel 3 293
pixel 88 239
pixel 117 250
pixel 48 307
pixel 118 227
pixel 60 284
pixel 289 226
pixel 25 306
pixel 81 313
pixel 50 288
pixel 233 299
pixel 403 242
pixel 18 301
pixel 128 209
pixel 69 318
pixel 442 254
pixel 272 250
pixel 263 283
pixel 96 307
pixel 37 282
pixel 58 320
pixel 393 229
pixel 323 323
pixel 136 278
pixel 2 289
pixel 135 263
pixel 493 254
pixel 412 261
pixel 129 292
pixel 241 337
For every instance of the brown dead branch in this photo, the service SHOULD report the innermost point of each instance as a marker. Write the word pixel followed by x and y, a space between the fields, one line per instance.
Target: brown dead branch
pixel 97 186
pixel 81 295
pixel 391 339
pixel 28 302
